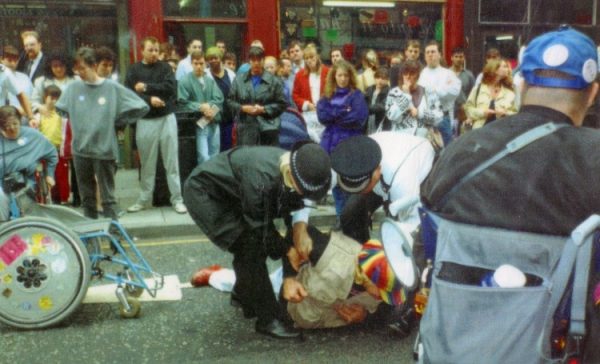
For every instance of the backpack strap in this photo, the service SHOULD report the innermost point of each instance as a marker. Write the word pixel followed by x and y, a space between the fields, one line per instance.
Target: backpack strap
pixel 513 146
pixel 576 256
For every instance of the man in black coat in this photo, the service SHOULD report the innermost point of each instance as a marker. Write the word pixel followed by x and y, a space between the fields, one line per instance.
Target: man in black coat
pixel 234 198
pixel 257 98
pixel 33 61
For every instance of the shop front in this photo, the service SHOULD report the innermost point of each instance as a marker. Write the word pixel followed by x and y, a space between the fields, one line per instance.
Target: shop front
pixel 354 26
pixel 510 24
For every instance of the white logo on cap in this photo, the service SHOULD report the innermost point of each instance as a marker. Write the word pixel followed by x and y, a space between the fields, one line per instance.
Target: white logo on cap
pixel 556 55
pixel 590 70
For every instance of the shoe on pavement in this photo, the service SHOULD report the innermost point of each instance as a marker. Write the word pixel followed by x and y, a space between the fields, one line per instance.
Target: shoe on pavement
pixel 180 208
pixel 136 207
pixel 278 330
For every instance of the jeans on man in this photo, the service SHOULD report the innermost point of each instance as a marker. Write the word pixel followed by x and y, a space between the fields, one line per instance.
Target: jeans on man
pixel 208 142
pixel 445 128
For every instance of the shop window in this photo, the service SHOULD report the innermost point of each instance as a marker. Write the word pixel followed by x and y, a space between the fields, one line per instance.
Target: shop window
pixel 180 34
pixel 356 29
pixel 580 12
pixel 507 44
pixel 504 11
pixel 205 8
pixel 63 27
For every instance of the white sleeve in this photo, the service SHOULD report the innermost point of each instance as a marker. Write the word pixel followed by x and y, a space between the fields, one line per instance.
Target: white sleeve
pixel 11 83
pixel 414 171
pixel 303 214
pixel 449 90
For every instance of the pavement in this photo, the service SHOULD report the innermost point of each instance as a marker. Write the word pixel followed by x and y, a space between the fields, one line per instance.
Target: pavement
pixel 164 221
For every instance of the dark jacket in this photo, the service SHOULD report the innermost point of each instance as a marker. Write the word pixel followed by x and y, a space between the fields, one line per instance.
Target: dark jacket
pixel 160 82
pixel 239 191
pixel 548 187
pixel 344 115
pixel 268 93
pixel 39 71
pixel 377 109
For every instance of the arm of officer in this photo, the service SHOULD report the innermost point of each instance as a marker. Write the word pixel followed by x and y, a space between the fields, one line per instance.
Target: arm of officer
pixel 302 241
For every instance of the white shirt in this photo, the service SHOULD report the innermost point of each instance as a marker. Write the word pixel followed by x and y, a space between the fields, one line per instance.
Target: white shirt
pixel 8 84
pixel 444 83
pixel 297 67
pixel 184 67
pixel 314 81
pixel 24 83
pixel 405 163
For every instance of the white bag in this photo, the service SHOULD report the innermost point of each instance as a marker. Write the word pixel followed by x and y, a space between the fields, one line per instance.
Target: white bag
pixel 314 128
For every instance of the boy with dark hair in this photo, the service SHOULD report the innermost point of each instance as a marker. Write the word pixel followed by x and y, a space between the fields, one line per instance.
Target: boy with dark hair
pixel 95 147
pixel 106 61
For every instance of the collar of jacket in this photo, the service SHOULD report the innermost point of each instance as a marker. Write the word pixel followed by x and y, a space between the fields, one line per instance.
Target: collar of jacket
pixel 546 113
pixel 263 77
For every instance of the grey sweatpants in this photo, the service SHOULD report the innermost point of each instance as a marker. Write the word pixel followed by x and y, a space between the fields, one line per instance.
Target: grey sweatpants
pixel 150 134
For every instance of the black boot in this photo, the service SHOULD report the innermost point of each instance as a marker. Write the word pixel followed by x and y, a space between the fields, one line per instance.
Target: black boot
pixel 278 330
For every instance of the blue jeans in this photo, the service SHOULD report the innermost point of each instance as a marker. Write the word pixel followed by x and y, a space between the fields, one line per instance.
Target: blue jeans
pixel 208 142
pixel 445 128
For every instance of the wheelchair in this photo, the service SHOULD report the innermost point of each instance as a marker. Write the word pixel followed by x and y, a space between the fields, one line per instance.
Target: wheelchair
pixel 49 255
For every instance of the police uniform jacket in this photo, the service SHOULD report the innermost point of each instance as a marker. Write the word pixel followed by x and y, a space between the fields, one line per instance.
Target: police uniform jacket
pixel 239 191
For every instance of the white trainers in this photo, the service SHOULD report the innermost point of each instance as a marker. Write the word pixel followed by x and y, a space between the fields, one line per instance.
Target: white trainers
pixel 136 207
pixel 180 208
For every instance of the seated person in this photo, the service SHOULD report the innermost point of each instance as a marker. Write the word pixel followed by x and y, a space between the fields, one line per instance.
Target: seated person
pixel 22 149
pixel 341 283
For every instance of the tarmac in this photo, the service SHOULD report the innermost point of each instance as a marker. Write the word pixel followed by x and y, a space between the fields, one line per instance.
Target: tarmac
pixel 163 221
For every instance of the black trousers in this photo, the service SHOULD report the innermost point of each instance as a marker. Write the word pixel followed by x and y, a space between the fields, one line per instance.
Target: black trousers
pixel 356 215
pixel 253 286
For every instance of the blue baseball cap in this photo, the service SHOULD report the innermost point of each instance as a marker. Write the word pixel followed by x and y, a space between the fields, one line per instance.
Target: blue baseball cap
pixel 565 50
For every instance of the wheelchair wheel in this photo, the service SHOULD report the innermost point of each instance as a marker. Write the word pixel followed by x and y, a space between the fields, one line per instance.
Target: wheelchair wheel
pixel 44 272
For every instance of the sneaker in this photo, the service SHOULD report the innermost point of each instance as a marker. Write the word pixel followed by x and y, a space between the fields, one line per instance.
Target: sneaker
pixel 136 207
pixel 180 208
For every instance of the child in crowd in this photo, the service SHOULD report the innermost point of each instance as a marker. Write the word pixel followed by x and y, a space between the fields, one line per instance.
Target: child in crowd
pixel 54 128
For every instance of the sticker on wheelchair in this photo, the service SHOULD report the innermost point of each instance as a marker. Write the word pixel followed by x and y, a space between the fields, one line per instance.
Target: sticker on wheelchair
pixel 12 249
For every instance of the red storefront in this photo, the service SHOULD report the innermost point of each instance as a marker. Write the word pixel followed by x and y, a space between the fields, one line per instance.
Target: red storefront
pixel 236 22
pixel 240 21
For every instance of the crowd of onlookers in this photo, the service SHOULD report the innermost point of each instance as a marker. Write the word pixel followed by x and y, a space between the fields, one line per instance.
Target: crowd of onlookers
pixel 242 104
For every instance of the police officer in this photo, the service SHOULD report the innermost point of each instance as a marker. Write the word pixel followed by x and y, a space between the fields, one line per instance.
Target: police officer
pixel 385 168
pixel 549 186
pixel 234 198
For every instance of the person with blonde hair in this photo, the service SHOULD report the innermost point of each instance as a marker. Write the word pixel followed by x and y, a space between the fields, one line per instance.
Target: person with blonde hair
pixel 493 98
pixel 369 64
pixel 310 81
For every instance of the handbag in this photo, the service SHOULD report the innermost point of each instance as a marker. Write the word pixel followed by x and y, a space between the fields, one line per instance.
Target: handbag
pixel 435 138
pixel 267 125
